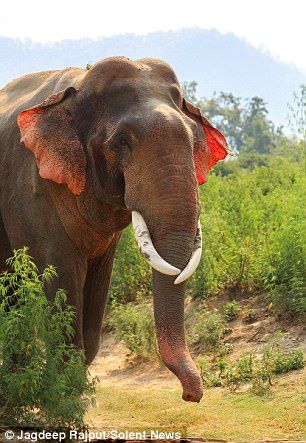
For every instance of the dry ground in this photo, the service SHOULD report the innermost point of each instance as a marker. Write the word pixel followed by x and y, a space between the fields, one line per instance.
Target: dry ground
pixel 115 364
pixel 145 395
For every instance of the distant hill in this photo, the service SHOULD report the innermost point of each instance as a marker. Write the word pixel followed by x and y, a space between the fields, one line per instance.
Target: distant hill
pixel 216 61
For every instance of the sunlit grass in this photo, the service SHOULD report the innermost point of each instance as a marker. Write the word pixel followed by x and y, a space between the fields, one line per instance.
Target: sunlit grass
pixel 221 415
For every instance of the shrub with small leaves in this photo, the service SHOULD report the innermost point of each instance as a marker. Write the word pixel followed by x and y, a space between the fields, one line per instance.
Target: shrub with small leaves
pixel 208 330
pixel 259 371
pixel 131 277
pixel 210 376
pixel 134 325
pixel 251 315
pixel 231 309
pixel 245 367
pixel 43 378
pixel 282 360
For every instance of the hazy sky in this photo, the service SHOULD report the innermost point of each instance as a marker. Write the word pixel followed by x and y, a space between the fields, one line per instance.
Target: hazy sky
pixel 277 26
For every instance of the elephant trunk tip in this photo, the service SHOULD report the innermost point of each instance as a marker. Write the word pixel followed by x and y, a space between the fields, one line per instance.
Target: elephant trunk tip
pixel 192 398
pixel 192 385
pixel 190 380
pixel 178 360
pixel 195 396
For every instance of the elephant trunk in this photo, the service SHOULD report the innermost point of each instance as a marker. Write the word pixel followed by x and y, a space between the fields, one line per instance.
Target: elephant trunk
pixel 168 237
pixel 173 255
pixel 161 192
pixel 176 248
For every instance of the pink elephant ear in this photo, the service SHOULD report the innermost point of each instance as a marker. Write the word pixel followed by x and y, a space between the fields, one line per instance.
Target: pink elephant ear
pixel 209 150
pixel 48 131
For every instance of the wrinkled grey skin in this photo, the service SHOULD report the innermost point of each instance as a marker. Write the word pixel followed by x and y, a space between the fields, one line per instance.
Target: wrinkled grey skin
pixel 138 145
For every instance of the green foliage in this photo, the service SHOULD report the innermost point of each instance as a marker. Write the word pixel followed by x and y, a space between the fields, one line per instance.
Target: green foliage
pixel 297 114
pixel 282 360
pixel 135 326
pixel 131 278
pixel 258 371
pixel 257 237
pixel 210 376
pixel 251 315
pixel 43 378
pixel 258 131
pixel 231 309
pixel 287 268
pixel 208 330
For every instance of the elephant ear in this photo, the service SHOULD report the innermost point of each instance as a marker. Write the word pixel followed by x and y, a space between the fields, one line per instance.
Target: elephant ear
pixel 48 131
pixel 211 148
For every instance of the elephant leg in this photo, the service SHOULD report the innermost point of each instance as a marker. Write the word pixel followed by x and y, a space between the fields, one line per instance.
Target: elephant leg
pixel 5 247
pixel 71 278
pixel 49 244
pixel 95 298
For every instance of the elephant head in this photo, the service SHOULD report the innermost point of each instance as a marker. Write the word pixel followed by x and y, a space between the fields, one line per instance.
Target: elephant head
pixel 128 134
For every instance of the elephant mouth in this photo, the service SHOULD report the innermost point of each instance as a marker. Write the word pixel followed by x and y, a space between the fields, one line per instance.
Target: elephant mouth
pixel 147 249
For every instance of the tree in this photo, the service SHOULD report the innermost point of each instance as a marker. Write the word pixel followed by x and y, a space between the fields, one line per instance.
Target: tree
pixel 297 114
pixel 297 120
pixel 245 125
pixel 258 132
pixel 189 91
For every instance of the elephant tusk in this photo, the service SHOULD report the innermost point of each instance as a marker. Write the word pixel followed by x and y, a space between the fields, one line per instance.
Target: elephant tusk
pixel 195 258
pixel 147 249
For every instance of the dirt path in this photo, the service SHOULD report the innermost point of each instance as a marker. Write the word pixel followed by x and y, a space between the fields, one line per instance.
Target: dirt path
pixel 114 364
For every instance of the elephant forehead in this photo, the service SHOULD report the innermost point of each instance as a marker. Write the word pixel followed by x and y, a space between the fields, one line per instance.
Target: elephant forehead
pixel 142 74
pixel 120 65
pixel 160 68
pixel 150 121
pixel 166 121
pixel 113 68
pixel 165 113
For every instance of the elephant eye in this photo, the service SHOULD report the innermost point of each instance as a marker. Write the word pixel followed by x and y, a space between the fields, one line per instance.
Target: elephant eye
pixel 124 141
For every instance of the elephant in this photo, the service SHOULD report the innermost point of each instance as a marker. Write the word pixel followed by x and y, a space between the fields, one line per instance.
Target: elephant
pixel 85 152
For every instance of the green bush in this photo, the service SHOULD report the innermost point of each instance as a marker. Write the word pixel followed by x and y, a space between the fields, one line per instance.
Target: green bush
pixel 258 371
pixel 134 325
pixel 208 330
pixel 245 367
pixel 253 227
pixel 286 275
pixel 43 378
pixel 230 310
pixel 282 360
pixel 211 378
pixel 251 316
pixel 131 277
